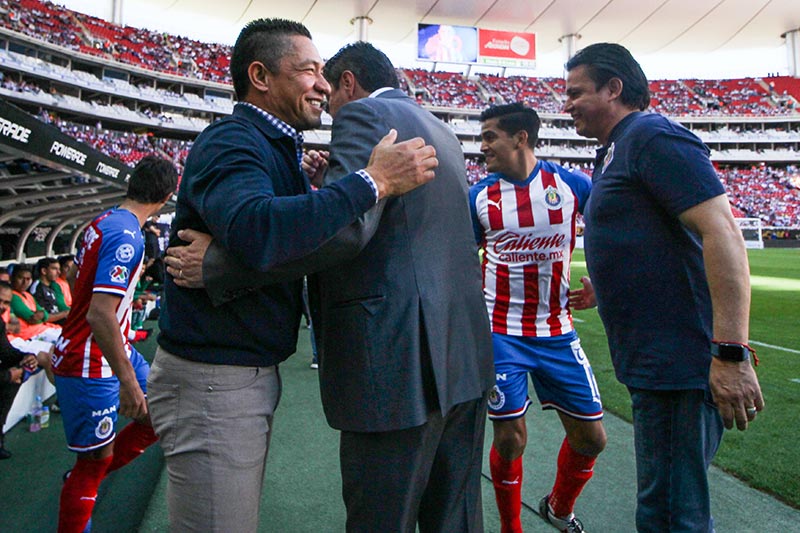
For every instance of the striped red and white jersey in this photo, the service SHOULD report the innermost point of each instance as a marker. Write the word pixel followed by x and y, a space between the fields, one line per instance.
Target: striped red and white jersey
pixel 109 261
pixel 527 231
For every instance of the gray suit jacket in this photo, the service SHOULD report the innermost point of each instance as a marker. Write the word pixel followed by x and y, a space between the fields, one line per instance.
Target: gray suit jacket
pixel 397 298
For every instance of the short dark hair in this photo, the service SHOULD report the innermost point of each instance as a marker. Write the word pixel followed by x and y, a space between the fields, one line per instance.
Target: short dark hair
pixel 64 259
pixel 604 61
pixel 152 179
pixel 45 263
pixel 4 285
pixel 513 118
pixel 371 68
pixel 264 40
pixel 19 268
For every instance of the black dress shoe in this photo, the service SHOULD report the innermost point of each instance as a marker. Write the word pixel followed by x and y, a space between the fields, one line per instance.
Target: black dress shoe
pixel 4 454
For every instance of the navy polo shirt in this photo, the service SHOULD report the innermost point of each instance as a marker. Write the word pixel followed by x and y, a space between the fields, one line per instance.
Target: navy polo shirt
pixel 647 267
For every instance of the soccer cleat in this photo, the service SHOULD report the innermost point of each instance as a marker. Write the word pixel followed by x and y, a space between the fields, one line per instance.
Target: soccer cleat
pixel 569 524
pixel 4 454
pixel 314 365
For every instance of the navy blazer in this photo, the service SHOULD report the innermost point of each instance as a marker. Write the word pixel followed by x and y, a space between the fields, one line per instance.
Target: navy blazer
pixel 242 184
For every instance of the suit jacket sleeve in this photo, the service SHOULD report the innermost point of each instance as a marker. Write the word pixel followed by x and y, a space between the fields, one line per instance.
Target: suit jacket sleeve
pixel 356 130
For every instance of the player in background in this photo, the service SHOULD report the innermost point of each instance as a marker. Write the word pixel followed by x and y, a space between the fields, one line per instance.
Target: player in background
pixel 524 217
pixel 98 373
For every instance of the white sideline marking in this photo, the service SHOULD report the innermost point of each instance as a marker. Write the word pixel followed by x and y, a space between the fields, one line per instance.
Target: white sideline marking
pixel 795 380
pixel 781 348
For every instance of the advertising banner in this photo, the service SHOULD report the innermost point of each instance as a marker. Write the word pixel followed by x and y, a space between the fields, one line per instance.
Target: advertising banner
pixel 507 48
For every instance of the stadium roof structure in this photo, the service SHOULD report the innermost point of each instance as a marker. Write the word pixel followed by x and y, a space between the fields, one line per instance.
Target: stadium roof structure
pixel 644 26
pixel 48 179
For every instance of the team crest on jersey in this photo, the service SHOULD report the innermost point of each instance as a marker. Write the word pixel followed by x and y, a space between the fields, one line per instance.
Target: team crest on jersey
pixel 104 428
pixel 125 253
pixel 553 198
pixel 496 398
pixel 609 157
pixel 119 274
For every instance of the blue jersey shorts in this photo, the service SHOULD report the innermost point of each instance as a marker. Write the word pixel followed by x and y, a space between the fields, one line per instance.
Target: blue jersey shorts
pixel 89 406
pixel 560 372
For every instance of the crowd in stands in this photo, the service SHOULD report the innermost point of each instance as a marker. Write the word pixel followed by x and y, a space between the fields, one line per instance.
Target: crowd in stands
pixel 126 146
pixel 148 49
pixel 769 193
pixel 476 169
pixel 19 86
pixel 738 97
pixel 446 89
pixel 538 93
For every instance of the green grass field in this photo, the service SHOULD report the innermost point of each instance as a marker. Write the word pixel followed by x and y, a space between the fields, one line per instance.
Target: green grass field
pixel 764 456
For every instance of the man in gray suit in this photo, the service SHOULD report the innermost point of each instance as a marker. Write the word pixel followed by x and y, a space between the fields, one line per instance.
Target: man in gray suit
pixel 403 336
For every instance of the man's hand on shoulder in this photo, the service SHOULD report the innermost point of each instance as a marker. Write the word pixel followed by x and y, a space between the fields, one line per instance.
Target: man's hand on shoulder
pixel 185 263
pixel 401 167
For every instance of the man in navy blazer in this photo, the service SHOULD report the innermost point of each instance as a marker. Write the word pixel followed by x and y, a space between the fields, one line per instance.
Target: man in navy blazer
pixel 215 384
pixel 403 336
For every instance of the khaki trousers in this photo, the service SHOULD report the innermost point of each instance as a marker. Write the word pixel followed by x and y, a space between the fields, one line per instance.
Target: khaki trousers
pixel 214 423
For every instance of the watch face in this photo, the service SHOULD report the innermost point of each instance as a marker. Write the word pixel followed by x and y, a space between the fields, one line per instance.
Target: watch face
pixel 730 352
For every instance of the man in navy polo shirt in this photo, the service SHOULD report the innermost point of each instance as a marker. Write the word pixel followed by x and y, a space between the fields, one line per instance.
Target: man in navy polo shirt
pixel 671 276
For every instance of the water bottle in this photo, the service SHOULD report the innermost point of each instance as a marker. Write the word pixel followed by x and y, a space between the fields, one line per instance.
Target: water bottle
pixel 35 418
pixel 44 419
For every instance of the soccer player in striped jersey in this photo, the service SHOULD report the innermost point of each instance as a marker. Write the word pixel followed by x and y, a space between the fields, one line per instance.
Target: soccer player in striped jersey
pixel 524 216
pixel 98 373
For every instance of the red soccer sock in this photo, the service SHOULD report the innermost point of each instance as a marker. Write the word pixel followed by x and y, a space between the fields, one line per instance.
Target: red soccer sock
pixel 130 444
pixel 79 494
pixel 507 481
pixel 574 471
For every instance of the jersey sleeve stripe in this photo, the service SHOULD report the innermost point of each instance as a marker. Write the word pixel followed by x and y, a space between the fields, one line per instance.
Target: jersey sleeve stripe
pixel 109 290
pixel 494 207
pixel 502 290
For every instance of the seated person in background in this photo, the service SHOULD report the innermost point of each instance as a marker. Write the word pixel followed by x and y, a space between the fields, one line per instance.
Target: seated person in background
pixel 65 263
pixel 12 362
pixel 11 322
pixel 32 318
pixel 141 296
pixel 47 292
pixel 154 264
